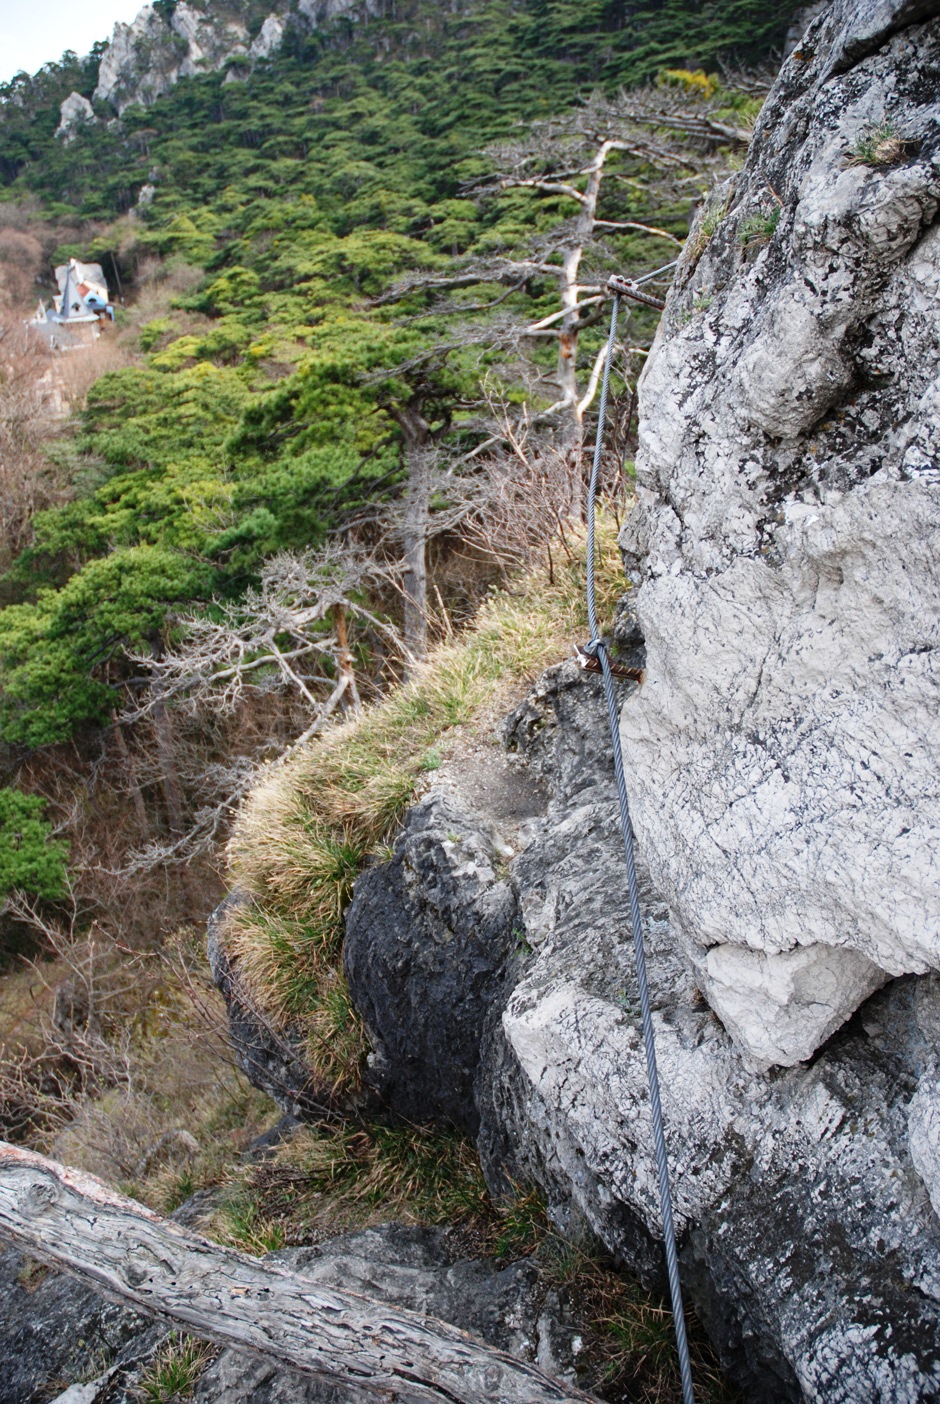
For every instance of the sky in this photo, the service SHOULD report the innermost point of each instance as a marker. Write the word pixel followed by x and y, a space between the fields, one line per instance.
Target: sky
pixel 32 32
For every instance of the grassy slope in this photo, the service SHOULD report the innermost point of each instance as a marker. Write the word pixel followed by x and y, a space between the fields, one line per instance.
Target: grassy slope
pixel 311 822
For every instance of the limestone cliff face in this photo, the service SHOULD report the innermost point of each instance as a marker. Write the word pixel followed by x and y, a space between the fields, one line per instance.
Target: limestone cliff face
pixel 784 753
pixel 145 58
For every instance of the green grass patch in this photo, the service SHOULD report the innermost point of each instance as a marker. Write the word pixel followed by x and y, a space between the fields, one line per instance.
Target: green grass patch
pixel 174 1370
pixel 759 228
pixel 333 1178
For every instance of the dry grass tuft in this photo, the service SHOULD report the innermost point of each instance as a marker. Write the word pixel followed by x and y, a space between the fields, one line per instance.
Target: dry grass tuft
pixel 880 145
pixel 310 823
pixel 331 1179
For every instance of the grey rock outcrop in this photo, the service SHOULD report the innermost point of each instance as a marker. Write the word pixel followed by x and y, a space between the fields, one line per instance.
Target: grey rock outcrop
pixel 145 58
pixel 785 750
pixel 269 39
pixel 148 56
pixel 74 111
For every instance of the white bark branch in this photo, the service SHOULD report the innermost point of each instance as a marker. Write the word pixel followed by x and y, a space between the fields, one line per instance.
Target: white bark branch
pixel 548 187
pixel 596 369
pixel 642 228
pixel 130 1254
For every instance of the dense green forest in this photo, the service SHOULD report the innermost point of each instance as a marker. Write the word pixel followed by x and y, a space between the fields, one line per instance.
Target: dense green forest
pixel 357 258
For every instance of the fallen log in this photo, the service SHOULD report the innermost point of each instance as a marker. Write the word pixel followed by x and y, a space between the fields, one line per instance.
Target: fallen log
pixel 128 1253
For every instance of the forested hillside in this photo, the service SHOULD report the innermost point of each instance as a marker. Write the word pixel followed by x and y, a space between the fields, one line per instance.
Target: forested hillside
pixel 361 296
pixel 271 385
pixel 361 290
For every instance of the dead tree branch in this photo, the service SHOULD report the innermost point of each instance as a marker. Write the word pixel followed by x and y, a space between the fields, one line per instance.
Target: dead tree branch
pixel 375 1351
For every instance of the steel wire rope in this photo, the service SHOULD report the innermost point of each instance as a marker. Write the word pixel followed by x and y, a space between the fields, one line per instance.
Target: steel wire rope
pixel 598 649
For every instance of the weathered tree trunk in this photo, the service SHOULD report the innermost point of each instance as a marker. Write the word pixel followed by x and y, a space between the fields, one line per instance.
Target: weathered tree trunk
pixel 416 433
pixel 344 659
pixel 169 775
pixel 127 1252
pixel 140 809
pixel 417 515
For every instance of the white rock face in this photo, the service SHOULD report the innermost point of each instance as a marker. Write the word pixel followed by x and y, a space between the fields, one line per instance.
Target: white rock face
pixel 75 111
pixel 127 73
pixel 784 753
pixel 808 1240
pixel 146 58
pixel 269 39
pixel 923 1131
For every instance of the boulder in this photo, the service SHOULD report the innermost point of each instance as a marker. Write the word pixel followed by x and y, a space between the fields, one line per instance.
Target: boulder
pixel 74 111
pixel 427 941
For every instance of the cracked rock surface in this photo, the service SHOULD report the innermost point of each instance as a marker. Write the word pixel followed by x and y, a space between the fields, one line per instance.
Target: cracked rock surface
pixel 809 1242
pixel 784 752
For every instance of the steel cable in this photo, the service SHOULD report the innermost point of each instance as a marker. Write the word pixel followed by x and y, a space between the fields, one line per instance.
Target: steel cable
pixel 598 648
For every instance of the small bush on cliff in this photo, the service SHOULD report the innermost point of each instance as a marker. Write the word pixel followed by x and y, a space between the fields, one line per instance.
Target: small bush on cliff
pixel 880 145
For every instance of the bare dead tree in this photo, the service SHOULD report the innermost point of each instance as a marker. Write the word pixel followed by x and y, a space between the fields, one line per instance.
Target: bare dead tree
pixel 601 162
pixel 273 632
pixel 295 633
pixel 417 436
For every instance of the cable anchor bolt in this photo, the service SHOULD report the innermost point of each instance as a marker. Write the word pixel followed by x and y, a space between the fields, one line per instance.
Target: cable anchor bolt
pixel 587 659
pixel 624 287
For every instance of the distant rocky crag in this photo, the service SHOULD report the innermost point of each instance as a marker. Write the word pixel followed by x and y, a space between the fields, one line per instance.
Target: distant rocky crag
pixel 164 43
